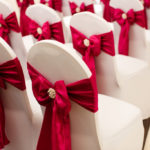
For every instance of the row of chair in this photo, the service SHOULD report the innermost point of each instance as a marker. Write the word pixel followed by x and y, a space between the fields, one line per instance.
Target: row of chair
pixel 116 125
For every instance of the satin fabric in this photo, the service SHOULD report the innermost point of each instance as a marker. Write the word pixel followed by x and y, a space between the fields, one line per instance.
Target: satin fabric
pixel 53 31
pixel 8 24
pixel 133 17
pixel 107 10
pixel 55 131
pixel 104 42
pixel 146 4
pixel 24 19
pixel 82 7
pixel 10 72
pixel 55 4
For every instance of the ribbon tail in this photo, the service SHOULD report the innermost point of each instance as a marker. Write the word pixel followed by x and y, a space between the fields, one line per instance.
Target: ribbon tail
pixel 90 61
pixel 45 139
pixel 55 132
pixel 3 138
pixel 124 40
pixel 24 22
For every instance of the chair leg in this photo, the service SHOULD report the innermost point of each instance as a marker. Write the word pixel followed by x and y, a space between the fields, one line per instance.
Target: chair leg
pixel 146 123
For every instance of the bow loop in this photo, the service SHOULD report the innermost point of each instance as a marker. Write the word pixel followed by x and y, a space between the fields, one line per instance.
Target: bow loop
pixel 39 32
pixel 131 16
pixel 118 13
pixel 4 29
pixel 46 32
pixel 95 45
pixel 42 87
pixel 82 6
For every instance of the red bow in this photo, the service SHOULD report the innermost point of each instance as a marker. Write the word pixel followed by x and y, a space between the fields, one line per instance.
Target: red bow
pixel 47 31
pixel 7 24
pixel 91 47
pixel 10 72
pixel 125 20
pixel 24 20
pixel 55 4
pixel 55 132
pixel 75 9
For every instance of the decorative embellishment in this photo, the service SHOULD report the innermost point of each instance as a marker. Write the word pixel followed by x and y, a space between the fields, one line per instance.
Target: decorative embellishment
pixel 21 1
pixel 52 93
pixel 0 25
pixel 135 17
pixel 77 10
pixel 39 30
pixel 86 42
pixel 124 16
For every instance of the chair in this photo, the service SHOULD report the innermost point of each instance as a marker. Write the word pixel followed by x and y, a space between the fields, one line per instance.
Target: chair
pixel 67 14
pixel 41 14
pixel 147 144
pixel 110 124
pixel 66 6
pixel 112 71
pixel 137 38
pixel 15 38
pixel 18 112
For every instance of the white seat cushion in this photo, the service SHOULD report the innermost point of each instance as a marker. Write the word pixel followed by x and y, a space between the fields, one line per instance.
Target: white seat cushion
pixel 119 123
pixel 126 67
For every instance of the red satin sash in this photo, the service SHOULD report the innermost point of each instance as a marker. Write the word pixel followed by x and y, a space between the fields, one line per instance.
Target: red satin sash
pixel 76 9
pixel 8 24
pixel 55 132
pixel 107 13
pixel 104 42
pixel 24 20
pixel 55 4
pixel 10 72
pixel 47 31
pixel 125 20
pixel 146 4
